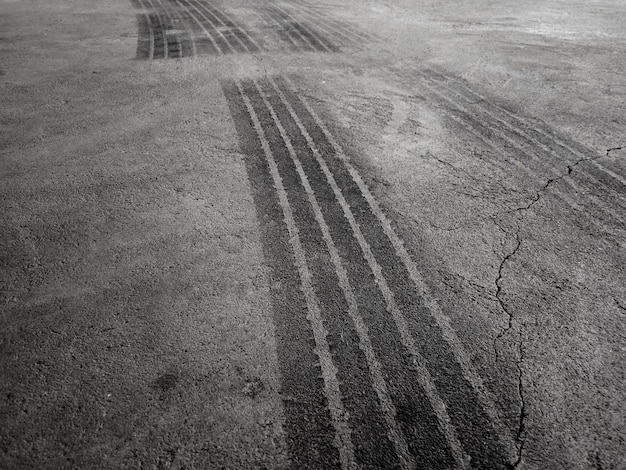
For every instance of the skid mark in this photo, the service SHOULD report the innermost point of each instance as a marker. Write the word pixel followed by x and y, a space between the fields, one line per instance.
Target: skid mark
pixel 145 43
pixel 304 29
pixel 186 28
pixel 328 23
pixel 534 149
pixel 396 378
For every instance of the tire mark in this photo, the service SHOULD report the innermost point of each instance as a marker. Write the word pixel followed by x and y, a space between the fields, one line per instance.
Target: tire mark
pixel 414 412
pixel 330 388
pixel 493 132
pixel 355 189
pixel 320 16
pixel 340 36
pixel 160 43
pixel 275 102
pixel 228 33
pixel 175 42
pixel 144 41
pixel 553 147
pixel 203 39
pixel 521 125
pixel 289 31
pixel 157 29
pixel 315 38
pixel 243 36
pixel 427 392
pixel 210 27
pixel 380 261
pixel 185 28
pixel 308 422
pixel 590 216
pixel 182 27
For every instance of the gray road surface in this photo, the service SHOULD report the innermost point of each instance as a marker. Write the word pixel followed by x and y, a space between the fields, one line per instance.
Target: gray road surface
pixel 300 234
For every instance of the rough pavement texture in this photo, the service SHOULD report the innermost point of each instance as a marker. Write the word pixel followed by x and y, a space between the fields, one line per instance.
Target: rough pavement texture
pixel 140 312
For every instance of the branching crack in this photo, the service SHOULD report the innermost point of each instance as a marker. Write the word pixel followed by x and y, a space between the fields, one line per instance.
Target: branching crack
pixel 518 241
pixel 608 151
pixel 520 437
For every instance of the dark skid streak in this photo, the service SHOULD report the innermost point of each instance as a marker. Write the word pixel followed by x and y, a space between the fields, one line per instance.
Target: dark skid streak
pixel 301 32
pixel 308 424
pixel 308 421
pixel 184 28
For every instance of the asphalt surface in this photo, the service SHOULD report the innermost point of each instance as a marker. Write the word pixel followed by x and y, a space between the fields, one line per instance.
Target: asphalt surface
pixel 292 234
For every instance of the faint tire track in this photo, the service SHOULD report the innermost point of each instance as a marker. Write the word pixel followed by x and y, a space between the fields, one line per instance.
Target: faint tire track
pixel 543 138
pixel 539 165
pixel 313 37
pixel 320 17
pixel 554 149
pixel 288 32
pixel 240 33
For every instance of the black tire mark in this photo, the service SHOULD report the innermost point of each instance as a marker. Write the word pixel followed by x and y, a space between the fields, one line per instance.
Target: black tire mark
pixel 289 31
pixel 317 39
pixel 469 419
pixel 174 40
pixel 144 38
pixel 158 30
pixel 167 30
pixel 229 34
pixel 181 26
pixel 414 413
pixel 597 175
pixel 321 16
pixel 337 35
pixel 204 41
pixel 308 423
pixel 160 51
pixel 415 416
pixel 242 35
pixel 219 38
pixel 361 401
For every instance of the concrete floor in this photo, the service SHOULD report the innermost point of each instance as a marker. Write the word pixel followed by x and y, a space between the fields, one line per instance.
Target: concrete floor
pixel 300 234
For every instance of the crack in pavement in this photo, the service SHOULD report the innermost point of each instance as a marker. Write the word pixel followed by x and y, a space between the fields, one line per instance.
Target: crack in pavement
pixel 518 241
pixel 520 437
pixel 608 151
pixel 521 211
